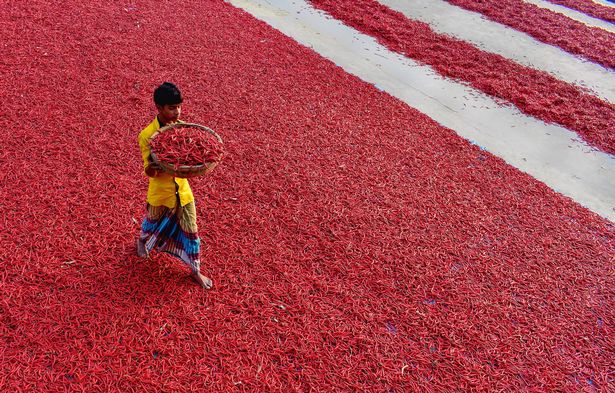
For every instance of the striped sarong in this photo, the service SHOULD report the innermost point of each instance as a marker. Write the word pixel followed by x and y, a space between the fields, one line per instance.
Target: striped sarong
pixel 173 231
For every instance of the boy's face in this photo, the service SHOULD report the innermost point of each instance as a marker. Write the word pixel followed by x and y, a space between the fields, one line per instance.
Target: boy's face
pixel 169 113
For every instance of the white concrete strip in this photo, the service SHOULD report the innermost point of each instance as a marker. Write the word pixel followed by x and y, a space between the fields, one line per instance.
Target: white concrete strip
pixel 549 153
pixel 445 18
pixel 574 14
pixel 604 2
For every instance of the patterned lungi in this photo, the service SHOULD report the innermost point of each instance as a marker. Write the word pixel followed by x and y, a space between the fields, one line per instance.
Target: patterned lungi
pixel 173 231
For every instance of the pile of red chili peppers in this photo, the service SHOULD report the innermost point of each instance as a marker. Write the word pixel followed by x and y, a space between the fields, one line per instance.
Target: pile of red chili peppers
pixel 186 146
pixel 354 243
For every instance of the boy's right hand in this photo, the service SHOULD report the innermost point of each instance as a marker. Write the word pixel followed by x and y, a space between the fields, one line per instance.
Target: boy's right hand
pixel 153 169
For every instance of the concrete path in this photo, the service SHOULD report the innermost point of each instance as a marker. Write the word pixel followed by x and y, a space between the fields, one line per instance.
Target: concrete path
pixel 574 14
pixel 445 18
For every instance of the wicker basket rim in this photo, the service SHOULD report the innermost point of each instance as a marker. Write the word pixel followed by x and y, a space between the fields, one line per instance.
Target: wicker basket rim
pixel 188 125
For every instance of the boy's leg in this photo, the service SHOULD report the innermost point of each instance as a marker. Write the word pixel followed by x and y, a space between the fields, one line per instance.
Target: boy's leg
pixel 187 222
pixel 141 250
pixel 153 214
pixel 203 281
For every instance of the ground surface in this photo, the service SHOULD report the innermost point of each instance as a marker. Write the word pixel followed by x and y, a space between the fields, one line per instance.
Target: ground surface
pixel 354 243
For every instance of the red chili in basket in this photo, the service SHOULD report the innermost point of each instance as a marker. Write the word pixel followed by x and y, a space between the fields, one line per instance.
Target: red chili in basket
pixel 186 146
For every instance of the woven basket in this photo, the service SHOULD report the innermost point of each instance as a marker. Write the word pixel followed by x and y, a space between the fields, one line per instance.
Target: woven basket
pixel 186 171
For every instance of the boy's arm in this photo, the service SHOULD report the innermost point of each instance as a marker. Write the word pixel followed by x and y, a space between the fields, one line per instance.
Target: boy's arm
pixel 150 168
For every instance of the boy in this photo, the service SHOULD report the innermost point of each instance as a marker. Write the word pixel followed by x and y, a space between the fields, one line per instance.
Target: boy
pixel 170 222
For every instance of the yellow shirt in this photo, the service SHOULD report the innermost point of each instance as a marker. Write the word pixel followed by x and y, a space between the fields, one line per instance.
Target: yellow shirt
pixel 162 188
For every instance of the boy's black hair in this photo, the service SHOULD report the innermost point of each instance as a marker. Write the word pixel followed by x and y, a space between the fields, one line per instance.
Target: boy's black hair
pixel 167 94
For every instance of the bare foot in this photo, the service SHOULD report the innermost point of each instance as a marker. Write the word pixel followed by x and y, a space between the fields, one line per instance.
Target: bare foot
pixel 202 280
pixel 141 250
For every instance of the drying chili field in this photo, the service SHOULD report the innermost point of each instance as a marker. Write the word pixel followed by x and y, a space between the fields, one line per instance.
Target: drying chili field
pixel 355 244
